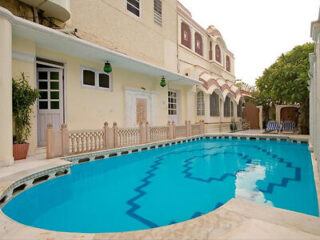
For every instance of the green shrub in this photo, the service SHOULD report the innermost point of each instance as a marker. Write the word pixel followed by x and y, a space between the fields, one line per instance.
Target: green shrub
pixel 23 97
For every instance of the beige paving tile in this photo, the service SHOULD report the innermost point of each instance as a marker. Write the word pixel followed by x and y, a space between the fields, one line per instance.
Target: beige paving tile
pixel 253 229
pixel 276 216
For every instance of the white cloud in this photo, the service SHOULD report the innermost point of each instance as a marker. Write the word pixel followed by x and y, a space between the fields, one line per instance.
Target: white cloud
pixel 257 31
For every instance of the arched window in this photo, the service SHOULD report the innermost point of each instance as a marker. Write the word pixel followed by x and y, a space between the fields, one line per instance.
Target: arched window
pixel 200 103
pixel 232 110
pixel 198 43
pixel 228 64
pixel 218 54
pixel 239 109
pixel 214 105
pixel 227 107
pixel 185 35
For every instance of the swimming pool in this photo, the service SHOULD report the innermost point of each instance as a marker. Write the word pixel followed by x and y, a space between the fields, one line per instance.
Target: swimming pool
pixel 169 185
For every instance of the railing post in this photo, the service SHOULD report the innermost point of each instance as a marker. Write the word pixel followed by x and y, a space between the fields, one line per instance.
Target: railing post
pixel 106 136
pixel 187 132
pixel 188 123
pixel 170 130
pixel 147 132
pixel 202 127
pixel 173 130
pixel 115 135
pixel 65 140
pixel 50 141
pixel 142 133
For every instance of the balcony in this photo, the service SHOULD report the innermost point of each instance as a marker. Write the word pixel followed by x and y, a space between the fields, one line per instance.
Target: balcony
pixel 59 9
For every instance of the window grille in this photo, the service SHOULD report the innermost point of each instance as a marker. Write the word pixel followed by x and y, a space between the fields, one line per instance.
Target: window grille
pixel 200 104
pixel 214 105
pixel 133 6
pixel 157 12
pixel 227 107
pixel 172 103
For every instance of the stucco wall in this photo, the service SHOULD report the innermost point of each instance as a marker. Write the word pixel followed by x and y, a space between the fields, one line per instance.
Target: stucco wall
pixel 108 23
pixel 88 108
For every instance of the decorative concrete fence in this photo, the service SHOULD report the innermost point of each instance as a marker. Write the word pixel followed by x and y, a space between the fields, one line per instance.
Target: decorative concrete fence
pixel 64 142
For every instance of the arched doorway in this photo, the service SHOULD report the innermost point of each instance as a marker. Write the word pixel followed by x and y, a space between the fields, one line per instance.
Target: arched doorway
pixel 289 114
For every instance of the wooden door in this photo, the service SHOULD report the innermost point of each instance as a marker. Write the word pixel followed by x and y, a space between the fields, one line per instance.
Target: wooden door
pixel 251 114
pixel 141 108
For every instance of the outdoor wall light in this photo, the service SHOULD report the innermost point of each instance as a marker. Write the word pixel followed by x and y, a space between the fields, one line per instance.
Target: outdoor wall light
pixel 163 82
pixel 107 67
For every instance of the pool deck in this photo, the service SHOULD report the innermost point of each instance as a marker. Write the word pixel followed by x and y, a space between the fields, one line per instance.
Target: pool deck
pixel 237 219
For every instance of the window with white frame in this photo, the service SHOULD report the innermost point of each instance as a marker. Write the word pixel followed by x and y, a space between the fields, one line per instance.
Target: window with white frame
pixel 95 79
pixel 157 7
pixel 133 6
pixel 172 102
pixel 200 103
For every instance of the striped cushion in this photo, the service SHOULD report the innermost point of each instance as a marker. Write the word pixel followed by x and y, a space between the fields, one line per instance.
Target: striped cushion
pixel 272 126
pixel 288 126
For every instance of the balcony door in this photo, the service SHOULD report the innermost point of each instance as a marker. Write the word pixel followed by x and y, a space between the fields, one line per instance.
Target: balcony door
pixel 50 103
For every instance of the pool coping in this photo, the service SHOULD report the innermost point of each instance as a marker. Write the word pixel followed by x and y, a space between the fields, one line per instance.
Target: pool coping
pixel 62 166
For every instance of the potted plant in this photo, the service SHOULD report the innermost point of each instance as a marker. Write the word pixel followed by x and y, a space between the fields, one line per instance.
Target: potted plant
pixel 233 125
pixel 23 97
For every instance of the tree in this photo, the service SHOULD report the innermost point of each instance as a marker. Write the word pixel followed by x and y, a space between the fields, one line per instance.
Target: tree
pixel 286 82
pixel 244 86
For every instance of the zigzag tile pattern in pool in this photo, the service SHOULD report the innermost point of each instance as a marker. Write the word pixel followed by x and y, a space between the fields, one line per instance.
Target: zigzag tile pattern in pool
pixel 187 171
pixel 269 189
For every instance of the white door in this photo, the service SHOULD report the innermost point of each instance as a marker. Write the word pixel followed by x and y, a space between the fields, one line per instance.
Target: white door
pixel 173 106
pixel 50 103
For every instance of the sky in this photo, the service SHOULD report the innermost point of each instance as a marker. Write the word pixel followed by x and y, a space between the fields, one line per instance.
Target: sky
pixel 257 31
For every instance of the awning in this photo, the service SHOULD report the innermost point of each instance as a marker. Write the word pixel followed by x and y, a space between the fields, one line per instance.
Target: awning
pixel 60 42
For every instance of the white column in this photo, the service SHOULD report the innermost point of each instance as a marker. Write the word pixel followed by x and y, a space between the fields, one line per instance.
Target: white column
pixel 6 157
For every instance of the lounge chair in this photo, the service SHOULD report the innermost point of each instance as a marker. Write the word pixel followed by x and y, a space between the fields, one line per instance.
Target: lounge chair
pixel 288 126
pixel 272 126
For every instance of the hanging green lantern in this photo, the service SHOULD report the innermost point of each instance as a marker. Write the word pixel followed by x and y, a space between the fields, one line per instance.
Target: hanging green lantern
pixel 163 82
pixel 107 67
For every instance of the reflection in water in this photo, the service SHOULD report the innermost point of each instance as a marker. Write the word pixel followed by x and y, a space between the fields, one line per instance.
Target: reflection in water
pixel 246 187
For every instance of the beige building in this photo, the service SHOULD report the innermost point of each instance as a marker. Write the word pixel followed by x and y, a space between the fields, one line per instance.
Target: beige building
pixel 314 75
pixel 62 47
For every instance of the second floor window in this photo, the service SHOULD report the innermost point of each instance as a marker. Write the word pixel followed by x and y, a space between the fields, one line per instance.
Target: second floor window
pixel 157 6
pixel 228 64
pixel 133 6
pixel 185 35
pixel 218 53
pixel 198 43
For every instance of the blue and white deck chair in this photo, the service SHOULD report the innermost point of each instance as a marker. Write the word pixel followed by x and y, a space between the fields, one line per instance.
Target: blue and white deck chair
pixel 272 126
pixel 288 126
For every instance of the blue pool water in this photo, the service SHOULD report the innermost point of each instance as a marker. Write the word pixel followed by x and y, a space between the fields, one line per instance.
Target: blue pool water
pixel 169 185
